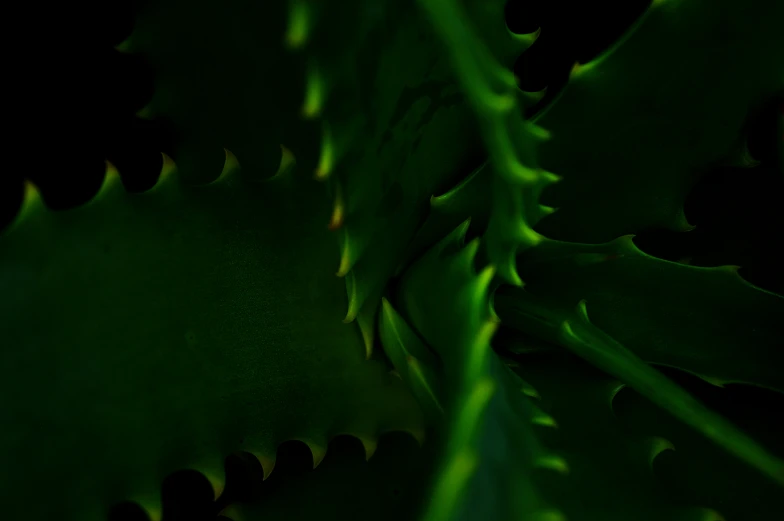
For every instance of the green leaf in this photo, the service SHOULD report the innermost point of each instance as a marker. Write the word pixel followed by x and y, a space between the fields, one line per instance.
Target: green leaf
pixel 390 113
pixel 224 80
pixel 576 332
pixel 635 127
pixel 707 321
pixel 416 365
pixel 389 486
pixel 489 452
pixel 381 120
pixel 510 140
pixel 611 453
pixel 142 334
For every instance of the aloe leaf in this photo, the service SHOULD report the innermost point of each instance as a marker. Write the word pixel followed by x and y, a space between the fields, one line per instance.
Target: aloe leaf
pixel 573 330
pixel 510 140
pixel 634 128
pixel 348 485
pixel 701 474
pixel 707 321
pixel 617 445
pixel 389 112
pixel 375 100
pixel 143 334
pixel 413 360
pixel 222 79
pixel 489 449
pixel 600 349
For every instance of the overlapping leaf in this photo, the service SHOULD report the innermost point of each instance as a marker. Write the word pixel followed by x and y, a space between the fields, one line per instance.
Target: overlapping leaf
pixel 396 130
pixel 510 140
pixel 576 332
pixel 490 450
pixel 707 321
pixel 611 453
pixel 375 98
pixel 588 342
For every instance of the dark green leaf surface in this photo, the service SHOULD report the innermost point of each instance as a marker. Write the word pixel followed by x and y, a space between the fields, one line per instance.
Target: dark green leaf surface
pixel 613 440
pixel 707 321
pixel 390 486
pixel 634 128
pixel 490 450
pixel 142 334
pixel 377 111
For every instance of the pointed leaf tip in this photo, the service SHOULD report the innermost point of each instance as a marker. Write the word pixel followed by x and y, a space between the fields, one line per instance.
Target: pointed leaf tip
pixel 230 167
pixel 299 25
pixel 553 462
pixel 336 222
pixel 657 446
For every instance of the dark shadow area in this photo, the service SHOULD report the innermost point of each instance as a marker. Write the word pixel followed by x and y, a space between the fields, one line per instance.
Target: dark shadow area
pixel 737 211
pixel 698 473
pixel 570 32
pixel 187 495
pixel 127 511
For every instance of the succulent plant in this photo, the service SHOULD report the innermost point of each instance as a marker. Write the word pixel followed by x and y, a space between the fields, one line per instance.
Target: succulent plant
pixel 378 248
